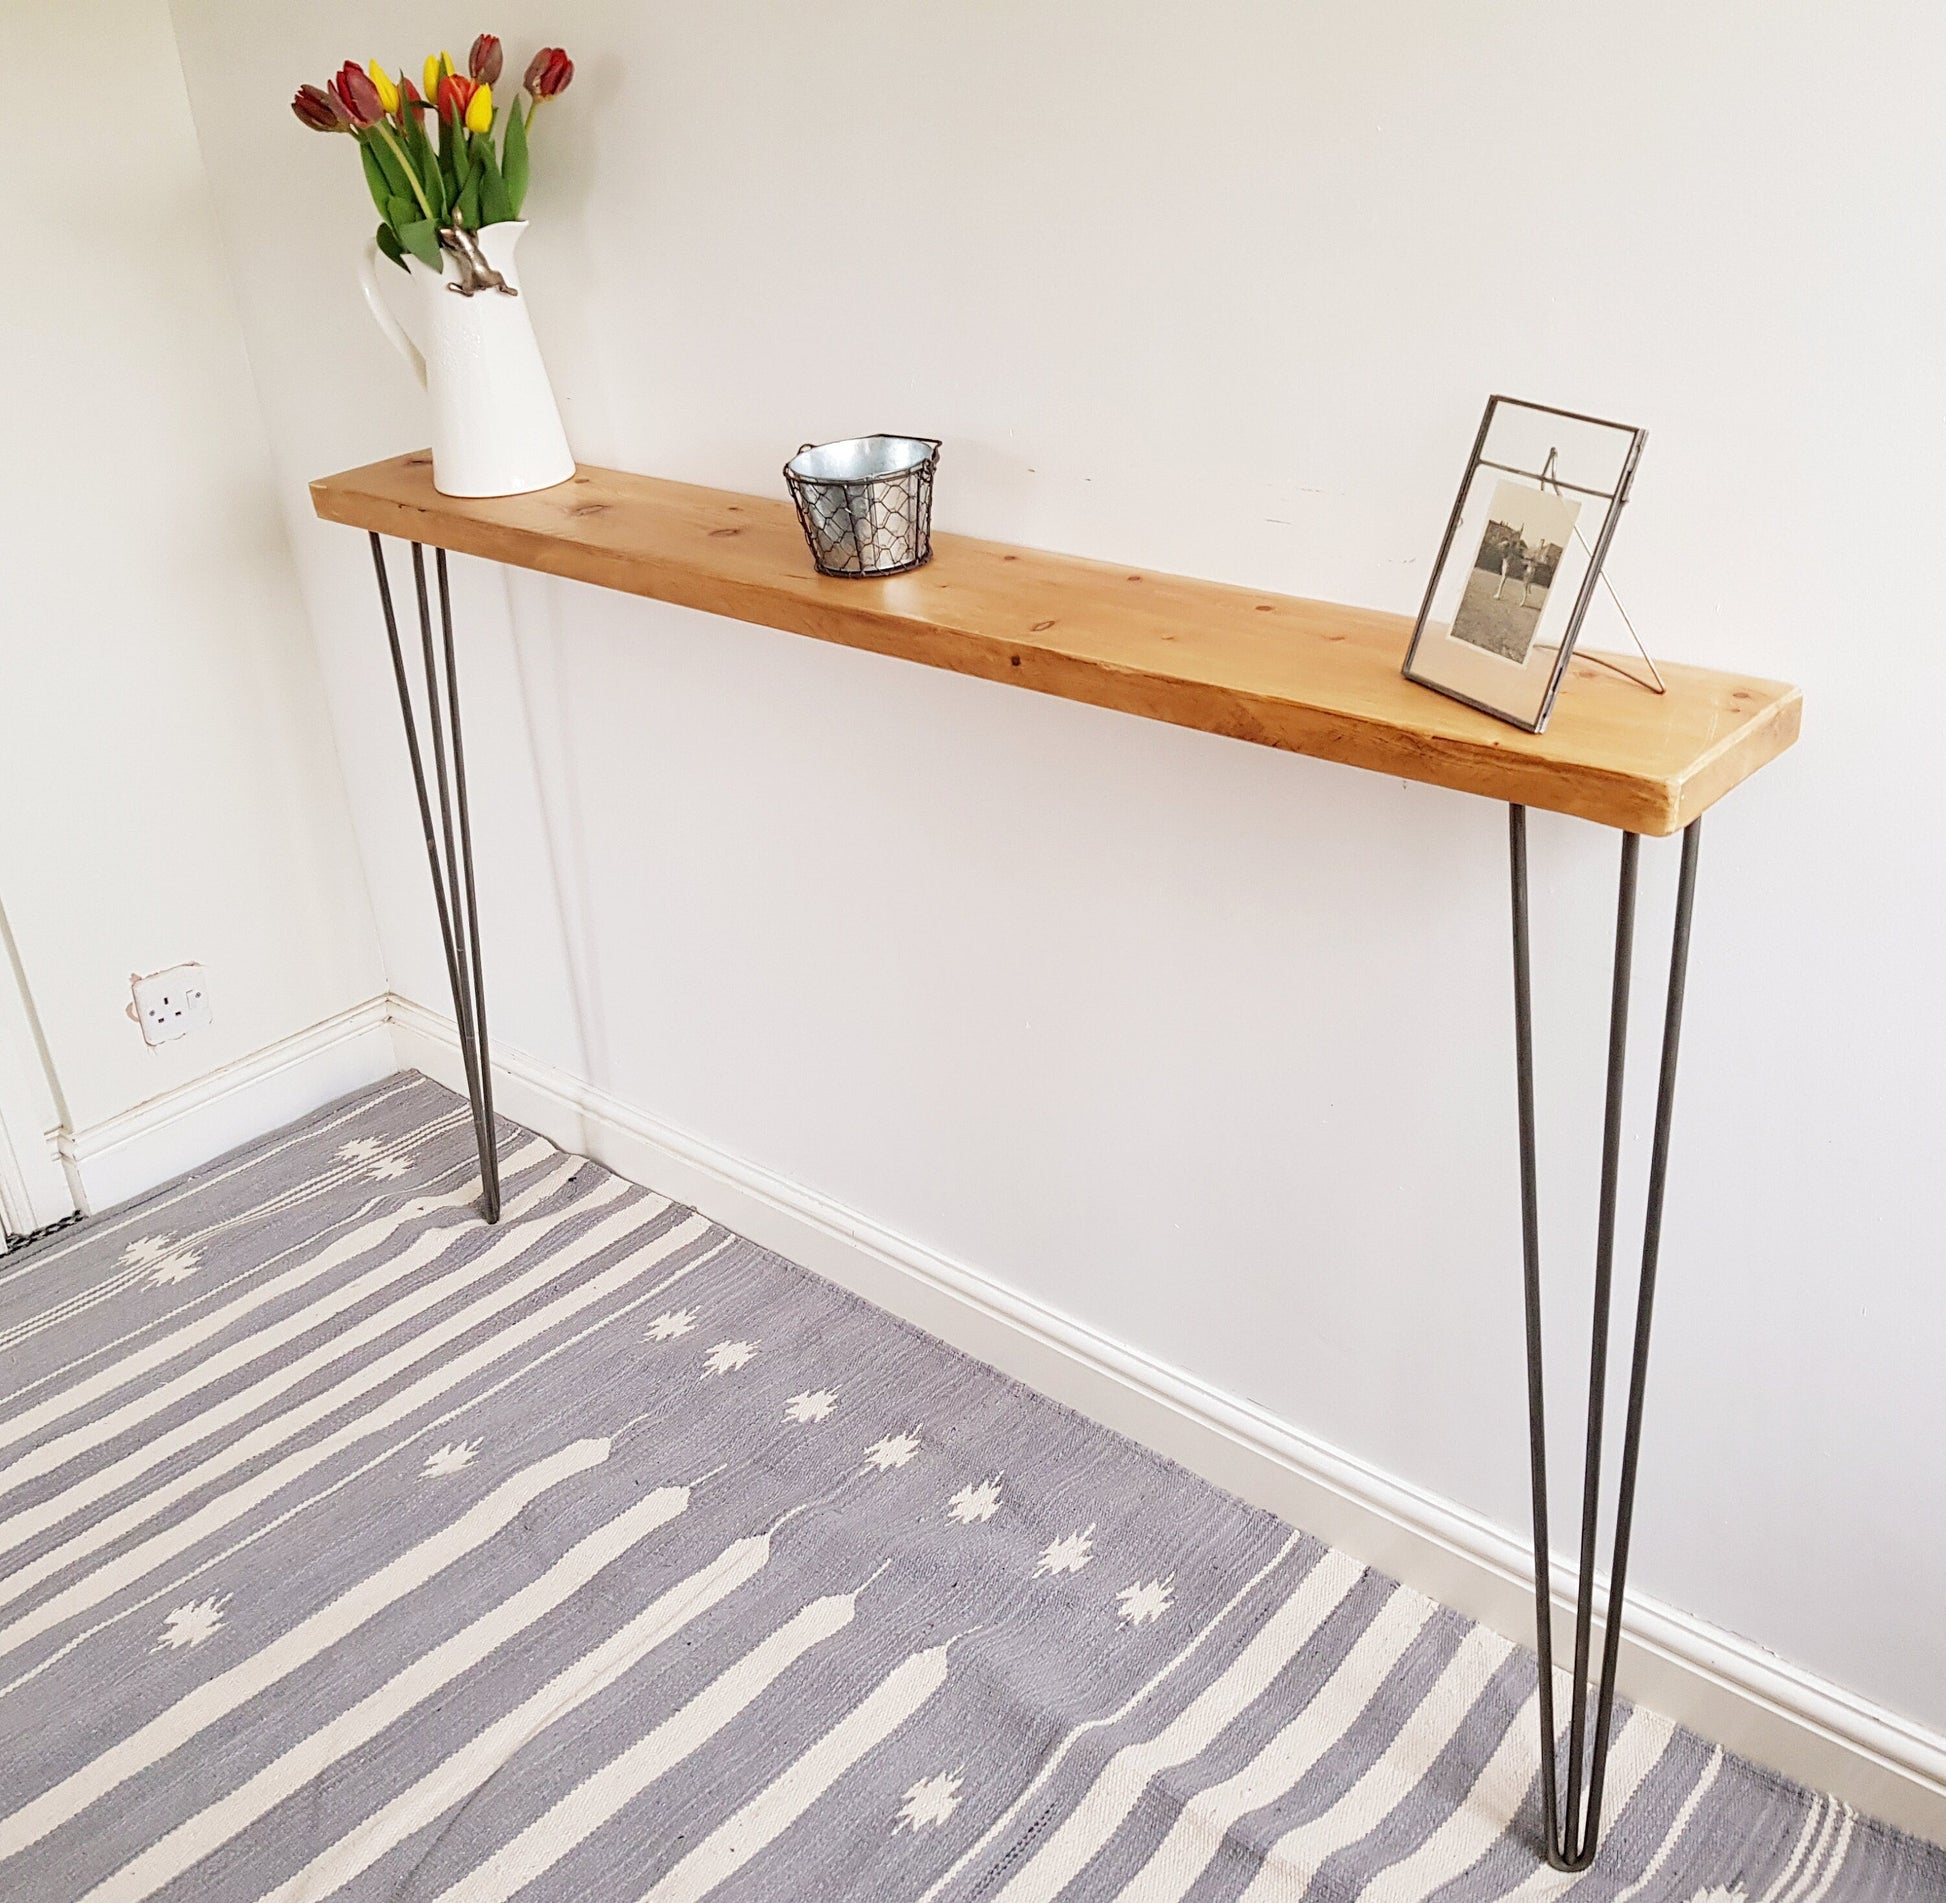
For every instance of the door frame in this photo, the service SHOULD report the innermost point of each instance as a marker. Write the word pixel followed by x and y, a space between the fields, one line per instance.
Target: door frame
pixel 34 1188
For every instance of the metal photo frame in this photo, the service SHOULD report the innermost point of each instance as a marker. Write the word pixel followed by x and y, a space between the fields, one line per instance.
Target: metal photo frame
pixel 1573 464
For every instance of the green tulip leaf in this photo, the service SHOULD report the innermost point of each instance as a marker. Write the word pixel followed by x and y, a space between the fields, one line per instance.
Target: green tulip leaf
pixel 379 147
pixel 469 204
pixel 376 182
pixel 495 206
pixel 418 147
pixel 435 180
pixel 388 243
pixel 401 211
pixel 421 238
pixel 513 167
pixel 459 168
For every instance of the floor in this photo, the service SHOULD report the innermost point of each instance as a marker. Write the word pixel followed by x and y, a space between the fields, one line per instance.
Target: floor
pixel 352 1548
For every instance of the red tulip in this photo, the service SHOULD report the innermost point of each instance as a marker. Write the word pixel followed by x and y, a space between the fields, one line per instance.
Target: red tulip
pixel 455 94
pixel 317 109
pixel 548 73
pixel 484 61
pixel 354 91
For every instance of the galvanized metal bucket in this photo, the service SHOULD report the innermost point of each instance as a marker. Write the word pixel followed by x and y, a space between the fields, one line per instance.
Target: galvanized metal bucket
pixel 866 504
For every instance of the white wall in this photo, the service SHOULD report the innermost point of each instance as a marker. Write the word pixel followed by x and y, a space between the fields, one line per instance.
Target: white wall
pixel 1207 1046
pixel 169 783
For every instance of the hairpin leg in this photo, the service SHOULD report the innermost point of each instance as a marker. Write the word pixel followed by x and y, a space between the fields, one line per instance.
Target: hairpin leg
pixel 452 882
pixel 1572 1830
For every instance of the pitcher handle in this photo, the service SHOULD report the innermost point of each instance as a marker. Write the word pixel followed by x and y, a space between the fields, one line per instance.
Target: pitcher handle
pixel 382 311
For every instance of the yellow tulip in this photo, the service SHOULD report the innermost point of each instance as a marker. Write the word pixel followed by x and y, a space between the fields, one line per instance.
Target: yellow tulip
pixel 479 109
pixel 388 91
pixel 432 75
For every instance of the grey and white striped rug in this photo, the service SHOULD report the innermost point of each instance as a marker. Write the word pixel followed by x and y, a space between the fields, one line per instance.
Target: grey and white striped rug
pixel 352 1549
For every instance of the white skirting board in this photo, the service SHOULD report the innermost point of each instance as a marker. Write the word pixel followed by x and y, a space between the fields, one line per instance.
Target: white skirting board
pixel 1723 1687
pixel 127 1154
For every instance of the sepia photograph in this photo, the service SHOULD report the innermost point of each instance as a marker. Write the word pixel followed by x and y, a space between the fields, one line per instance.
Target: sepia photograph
pixel 1527 531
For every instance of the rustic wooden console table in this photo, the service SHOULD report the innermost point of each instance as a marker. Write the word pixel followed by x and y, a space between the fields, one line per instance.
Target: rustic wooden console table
pixel 1302 675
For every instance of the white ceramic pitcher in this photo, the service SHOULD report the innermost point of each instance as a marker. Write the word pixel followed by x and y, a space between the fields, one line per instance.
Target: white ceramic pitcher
pixel 495 428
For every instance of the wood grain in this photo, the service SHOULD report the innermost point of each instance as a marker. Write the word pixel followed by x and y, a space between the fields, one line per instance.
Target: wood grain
pixel 1274 670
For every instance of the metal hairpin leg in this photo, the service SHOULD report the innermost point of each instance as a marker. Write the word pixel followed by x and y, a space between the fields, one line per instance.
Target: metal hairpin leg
pixel 1570 1832
pixel 452 883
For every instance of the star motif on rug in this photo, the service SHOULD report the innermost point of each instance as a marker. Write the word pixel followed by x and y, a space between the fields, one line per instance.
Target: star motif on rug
pixel 671 1323
pixel 893 1451
pixel 931 1801
pixel 145 1250
pixel 727 1355
pixel 814 1405
pixel 359 1150
pixel 178 1267
pixel 975 1501
pixel 1068 1555
pixel 1143 1604
pixel 388 1169
pixel 451 1458
pixel 190 1625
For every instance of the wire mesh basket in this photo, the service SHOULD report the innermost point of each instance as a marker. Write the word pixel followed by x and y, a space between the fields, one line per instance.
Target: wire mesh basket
pixel 866 504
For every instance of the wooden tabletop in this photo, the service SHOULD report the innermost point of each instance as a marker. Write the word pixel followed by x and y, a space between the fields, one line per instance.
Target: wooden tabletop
pixel 1275 670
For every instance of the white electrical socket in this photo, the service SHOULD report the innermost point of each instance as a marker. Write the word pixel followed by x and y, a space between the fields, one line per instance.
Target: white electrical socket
pixel 170 1004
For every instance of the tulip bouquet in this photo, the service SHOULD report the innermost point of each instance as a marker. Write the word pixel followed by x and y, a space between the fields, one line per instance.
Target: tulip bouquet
pixel 437 183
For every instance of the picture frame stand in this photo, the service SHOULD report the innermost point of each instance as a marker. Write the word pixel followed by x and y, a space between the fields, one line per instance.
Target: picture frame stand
pixel 1655 683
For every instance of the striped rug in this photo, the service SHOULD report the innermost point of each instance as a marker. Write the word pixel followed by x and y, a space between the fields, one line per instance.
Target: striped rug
pixel 351 1549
